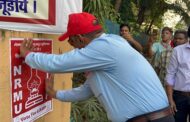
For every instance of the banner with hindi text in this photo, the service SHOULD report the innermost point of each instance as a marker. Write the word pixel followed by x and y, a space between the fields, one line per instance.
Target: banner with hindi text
pixel 39 16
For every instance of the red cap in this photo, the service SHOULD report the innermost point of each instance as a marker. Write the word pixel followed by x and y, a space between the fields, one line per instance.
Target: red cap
pixel 80 23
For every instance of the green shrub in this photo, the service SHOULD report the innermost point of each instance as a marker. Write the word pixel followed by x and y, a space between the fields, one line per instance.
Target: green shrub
pixel 89 110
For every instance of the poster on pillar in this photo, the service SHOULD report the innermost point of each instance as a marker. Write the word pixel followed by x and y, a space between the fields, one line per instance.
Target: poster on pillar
pixel 39 16
pixel 29 100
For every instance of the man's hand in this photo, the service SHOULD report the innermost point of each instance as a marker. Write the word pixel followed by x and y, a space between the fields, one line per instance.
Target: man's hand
pixel 169 91
pixel 26 47
pixel 49 86
pixel 128 37
pixel 133 42
pixel 173 106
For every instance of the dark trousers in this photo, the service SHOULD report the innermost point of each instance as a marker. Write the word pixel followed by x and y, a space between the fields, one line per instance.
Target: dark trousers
pixel 146 117
pixel 164 119
pixel 183 107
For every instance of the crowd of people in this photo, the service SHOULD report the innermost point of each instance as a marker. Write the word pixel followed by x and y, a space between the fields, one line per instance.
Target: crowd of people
pixel 117 74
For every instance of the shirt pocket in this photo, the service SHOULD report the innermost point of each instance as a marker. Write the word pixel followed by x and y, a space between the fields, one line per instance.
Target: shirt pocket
pixel 185 65
pixel 187 74
pixel 184 68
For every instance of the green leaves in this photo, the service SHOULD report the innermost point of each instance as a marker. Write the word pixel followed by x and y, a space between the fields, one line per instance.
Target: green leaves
pixel 89 110
pixel 102 9
pixel 76 112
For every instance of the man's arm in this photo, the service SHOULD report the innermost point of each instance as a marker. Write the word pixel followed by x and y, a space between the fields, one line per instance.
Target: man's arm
pixel 150 52
pixel 169 91
pixel 172 69
pixel 76 94
pixel 170 79
pixel 78 60
pixel 134 43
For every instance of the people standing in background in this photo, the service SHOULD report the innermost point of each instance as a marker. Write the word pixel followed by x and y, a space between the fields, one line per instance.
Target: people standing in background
pixel 180 37
pixel 178 81
pixel 155 48
pixel 125 33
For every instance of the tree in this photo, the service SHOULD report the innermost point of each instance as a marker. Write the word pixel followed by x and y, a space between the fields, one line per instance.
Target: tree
pixel 102 9
pixel 145 14
pixel 117 5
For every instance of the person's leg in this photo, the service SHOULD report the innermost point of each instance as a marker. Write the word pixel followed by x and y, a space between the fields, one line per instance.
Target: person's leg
pixel 188 109
pixel 180 116
pixel 182 105
pixel 188 116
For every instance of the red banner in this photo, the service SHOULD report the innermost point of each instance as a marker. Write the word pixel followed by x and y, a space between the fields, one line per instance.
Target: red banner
pixel 29 100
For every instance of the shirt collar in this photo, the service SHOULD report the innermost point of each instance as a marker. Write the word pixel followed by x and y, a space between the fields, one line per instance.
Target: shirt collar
pixel 103 34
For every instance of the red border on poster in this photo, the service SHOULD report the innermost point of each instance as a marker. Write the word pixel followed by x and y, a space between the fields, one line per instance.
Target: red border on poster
pixel 29 100
pixel 50 21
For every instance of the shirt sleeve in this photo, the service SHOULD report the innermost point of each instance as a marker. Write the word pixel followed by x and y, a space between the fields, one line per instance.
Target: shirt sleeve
pixel 76 94
pixel 172 69
pixel 78 60
pixel 155 47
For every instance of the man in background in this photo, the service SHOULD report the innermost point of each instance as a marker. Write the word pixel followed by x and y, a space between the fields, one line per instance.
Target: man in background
pixel 180 37
pixel 155 48
pixel 178 81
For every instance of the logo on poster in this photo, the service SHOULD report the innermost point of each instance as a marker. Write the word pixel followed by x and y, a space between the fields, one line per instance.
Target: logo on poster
pixel 33 84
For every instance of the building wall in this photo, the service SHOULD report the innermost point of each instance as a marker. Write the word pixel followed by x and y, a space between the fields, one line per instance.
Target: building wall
pixel 61 110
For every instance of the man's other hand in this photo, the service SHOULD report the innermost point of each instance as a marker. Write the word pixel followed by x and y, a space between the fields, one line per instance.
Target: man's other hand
pixel 49 82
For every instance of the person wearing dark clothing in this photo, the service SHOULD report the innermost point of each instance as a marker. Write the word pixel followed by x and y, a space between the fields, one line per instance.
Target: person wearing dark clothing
pixel 125 33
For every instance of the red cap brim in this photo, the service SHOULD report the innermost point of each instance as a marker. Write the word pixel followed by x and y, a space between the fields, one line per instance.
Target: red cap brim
pixel 63 37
